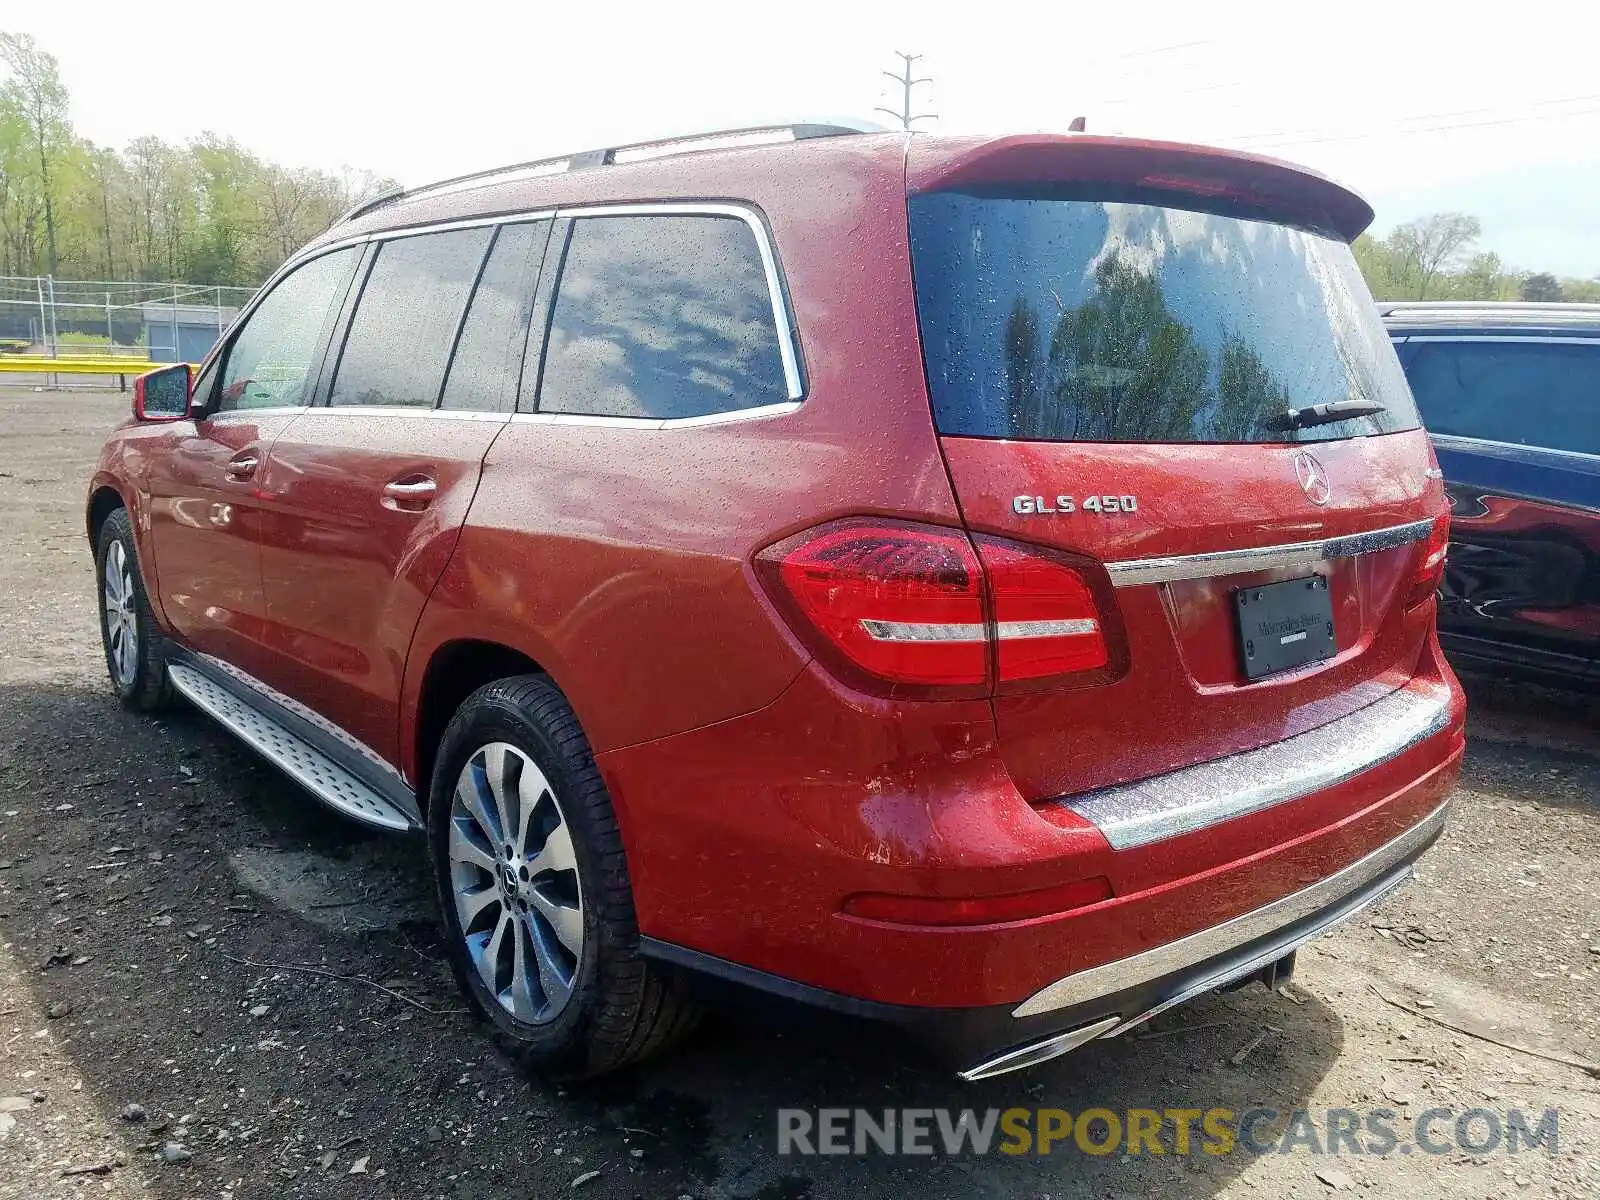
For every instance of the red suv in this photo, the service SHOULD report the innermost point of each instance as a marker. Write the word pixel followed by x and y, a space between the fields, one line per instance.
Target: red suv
pixel 980 585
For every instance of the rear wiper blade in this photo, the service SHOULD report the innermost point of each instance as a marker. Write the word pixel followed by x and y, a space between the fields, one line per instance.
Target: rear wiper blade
pixel 1323 414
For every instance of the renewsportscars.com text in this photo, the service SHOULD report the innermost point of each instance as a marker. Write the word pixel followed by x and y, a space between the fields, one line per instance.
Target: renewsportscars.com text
pixel 1181 1131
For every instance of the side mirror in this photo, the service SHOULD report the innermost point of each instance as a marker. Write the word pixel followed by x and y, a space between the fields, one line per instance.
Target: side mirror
pixel 162 394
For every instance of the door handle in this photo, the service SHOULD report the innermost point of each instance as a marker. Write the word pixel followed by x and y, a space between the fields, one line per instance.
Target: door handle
pixel 243 466
pixel 410 493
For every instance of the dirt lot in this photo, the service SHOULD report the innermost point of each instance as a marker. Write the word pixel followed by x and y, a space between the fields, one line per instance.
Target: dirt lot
pixel 183 931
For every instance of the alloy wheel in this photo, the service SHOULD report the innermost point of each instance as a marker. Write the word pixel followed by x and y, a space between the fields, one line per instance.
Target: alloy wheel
pixel 514 880
pixel 122 625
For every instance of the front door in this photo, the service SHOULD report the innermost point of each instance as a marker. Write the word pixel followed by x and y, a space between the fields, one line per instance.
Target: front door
pixel 205 516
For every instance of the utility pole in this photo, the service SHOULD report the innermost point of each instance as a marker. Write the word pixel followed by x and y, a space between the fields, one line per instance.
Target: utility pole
pixel 905 116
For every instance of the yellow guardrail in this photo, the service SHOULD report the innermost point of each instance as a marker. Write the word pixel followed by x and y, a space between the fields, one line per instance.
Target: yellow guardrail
pixel 38 364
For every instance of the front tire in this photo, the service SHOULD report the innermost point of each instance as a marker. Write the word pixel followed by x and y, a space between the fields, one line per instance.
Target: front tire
pixel 136 657
pixel 533 887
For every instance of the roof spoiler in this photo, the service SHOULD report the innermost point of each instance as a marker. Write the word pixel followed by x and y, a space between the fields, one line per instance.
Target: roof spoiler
pixel 1263 187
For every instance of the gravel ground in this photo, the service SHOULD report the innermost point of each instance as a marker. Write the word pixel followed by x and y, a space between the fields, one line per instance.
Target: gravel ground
pixel 211 987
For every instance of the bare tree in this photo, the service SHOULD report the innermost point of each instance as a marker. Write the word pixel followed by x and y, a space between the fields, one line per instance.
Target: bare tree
pixel 1429 246
pixel 36 91
pixel 907 82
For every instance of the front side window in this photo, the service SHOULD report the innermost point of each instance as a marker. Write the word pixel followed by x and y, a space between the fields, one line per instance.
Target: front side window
pixel 406 320
pixel 662 316
pixel 271 362
pixel 1525 393
pixel 1081 319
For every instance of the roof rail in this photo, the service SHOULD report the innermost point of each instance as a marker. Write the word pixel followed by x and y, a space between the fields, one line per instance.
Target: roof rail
pixel 367 205
pixel 720 139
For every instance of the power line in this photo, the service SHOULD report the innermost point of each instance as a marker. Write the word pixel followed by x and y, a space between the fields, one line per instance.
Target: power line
pixel 1359 137
pixel 905 116
pixel 1315 136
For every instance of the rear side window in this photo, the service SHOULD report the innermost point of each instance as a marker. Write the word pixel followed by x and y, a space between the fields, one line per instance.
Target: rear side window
pixel 483 371
pixel 406 320
pixel 1083 320
pixel 662 317
pixel 1526 393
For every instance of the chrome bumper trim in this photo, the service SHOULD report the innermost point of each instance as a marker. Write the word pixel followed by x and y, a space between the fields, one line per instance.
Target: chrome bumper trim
pixel 1112 977
pixel 1035 1053
pixel 1239 967
pixel 1192 798
pixel 1140 571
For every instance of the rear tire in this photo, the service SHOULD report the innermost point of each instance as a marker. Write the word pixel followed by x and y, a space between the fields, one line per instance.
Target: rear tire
pixel 534 891
pixel 136 651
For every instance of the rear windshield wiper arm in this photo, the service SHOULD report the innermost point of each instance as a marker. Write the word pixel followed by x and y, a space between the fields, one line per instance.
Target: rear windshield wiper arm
pixel 1323 414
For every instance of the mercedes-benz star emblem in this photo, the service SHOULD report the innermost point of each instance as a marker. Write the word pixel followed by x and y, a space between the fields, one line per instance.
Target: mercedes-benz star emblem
pixel 1313 477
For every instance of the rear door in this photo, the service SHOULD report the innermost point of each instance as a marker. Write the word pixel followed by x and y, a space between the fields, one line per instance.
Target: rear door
pixel 1110 369
pixel 1516 424
pixel 365 494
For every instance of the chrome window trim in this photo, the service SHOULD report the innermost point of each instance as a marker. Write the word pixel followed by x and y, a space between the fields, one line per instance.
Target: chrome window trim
pixel 413 410
pixel 782 315
pixel 1112 977
pixel 788 350
pixel 1140 571
pixel 1197 797
pixel 761 412
pixel 405 231
pixel 1537 339
pixel 1451 441
pixel 276 410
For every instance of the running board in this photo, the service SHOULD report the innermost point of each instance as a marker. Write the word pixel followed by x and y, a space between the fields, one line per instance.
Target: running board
pixel 297 758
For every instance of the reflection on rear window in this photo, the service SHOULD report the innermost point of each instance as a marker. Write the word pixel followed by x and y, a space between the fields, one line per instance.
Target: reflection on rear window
pixel 1075 320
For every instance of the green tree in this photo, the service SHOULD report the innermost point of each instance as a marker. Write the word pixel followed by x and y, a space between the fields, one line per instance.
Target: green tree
pixel 1543 287
pixel 1022 364
pixel 1122 365
pixel 20 212
pixel 1377 266
pixel 1246 391
pixel 35 92
pixel 1485 278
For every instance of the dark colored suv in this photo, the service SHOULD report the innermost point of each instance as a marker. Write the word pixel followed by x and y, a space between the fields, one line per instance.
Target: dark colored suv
pixel 1511 395
pixel 980 585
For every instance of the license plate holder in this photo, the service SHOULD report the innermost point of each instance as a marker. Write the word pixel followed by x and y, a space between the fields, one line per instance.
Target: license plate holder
pixel 1284 625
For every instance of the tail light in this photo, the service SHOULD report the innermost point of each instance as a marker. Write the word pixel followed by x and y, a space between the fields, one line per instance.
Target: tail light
pixel 1430 561
pixel 1046 621
pixel 918 609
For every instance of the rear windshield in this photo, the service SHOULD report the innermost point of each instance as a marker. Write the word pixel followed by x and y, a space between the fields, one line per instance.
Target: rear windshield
pixel 1082 320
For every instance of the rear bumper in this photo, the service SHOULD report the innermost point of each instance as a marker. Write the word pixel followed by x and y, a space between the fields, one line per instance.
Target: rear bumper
pixel 1107 1000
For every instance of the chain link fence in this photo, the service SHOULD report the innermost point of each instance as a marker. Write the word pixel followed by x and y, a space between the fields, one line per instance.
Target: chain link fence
pixel 91 318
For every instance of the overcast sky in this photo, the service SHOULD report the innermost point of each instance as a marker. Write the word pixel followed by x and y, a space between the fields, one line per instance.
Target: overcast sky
pixel 1421 106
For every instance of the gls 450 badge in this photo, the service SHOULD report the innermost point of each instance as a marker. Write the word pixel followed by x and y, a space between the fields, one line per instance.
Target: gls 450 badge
pixel 1038 506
